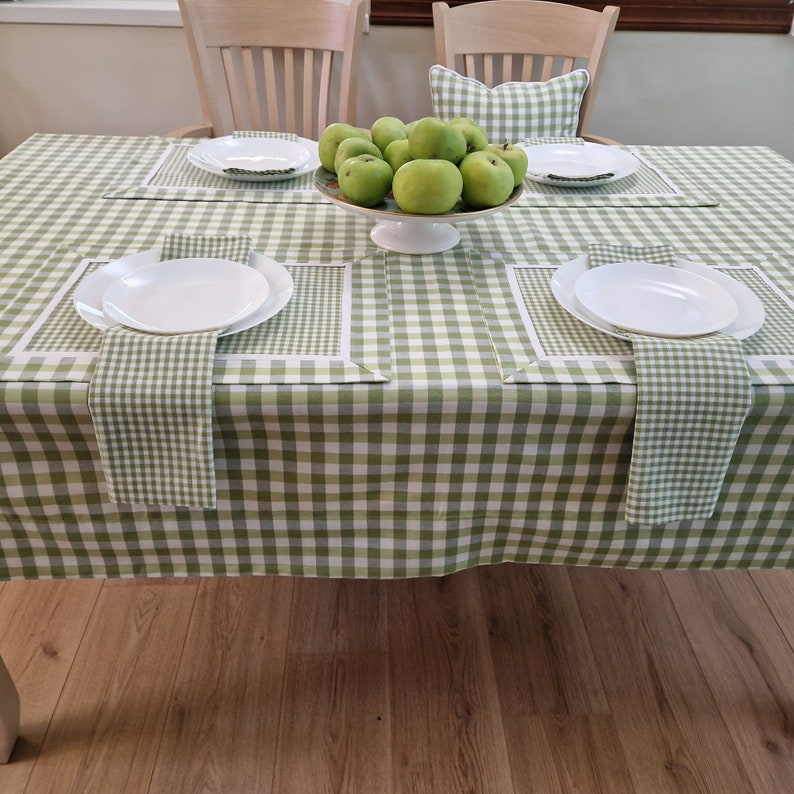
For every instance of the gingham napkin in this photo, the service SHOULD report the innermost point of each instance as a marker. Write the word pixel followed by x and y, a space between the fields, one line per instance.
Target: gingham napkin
pixel 287 136
pixel 569 140
pixel 150 398
pixel 572 139
pixel 692 399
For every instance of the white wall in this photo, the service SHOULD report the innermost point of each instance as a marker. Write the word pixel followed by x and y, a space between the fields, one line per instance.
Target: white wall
pixel 663 88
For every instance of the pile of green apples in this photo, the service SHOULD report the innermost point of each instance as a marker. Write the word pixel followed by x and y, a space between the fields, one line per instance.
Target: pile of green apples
pixel 428 165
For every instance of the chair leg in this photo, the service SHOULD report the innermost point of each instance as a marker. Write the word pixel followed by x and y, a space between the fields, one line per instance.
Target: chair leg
pixel 9 713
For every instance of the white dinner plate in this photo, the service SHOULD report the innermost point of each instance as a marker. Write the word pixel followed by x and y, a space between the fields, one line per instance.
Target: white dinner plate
pixel 88 295
pixel 654 299
pixel 286 159
pixel 578 165
pixel 750 316
pixel 180 296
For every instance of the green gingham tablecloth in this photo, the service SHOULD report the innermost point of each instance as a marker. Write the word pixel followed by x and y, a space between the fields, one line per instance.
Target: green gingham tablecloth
pixel 445 465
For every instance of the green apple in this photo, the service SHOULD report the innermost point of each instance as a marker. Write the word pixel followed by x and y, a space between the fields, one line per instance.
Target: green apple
pixel 427 187
pixel 352 147
pixel 397 154
pixel 487 180
pixel 515 157
pixel 473 133
pixel 331 137
pixel 433 139
pixel 365 179
pixel 387 129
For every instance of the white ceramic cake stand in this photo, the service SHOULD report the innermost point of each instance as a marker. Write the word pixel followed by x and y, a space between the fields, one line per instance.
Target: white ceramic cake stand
pixel 403 232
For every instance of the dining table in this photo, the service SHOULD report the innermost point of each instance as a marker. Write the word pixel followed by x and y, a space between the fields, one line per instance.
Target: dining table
pixel 402 414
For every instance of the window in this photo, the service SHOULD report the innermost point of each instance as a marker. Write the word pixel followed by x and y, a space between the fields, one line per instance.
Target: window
pixel 756 16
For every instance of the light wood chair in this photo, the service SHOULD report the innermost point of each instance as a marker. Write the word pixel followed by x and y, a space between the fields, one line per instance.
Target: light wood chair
pixel 273 65
pixel 497 41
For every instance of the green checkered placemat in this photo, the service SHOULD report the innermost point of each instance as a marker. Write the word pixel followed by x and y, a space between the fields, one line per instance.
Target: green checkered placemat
pixel 648 186
pixel 175 178
pixel 536 340
pixel 334 330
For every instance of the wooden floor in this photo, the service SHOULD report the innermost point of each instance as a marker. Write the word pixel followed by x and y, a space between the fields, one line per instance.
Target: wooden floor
pixel 503 679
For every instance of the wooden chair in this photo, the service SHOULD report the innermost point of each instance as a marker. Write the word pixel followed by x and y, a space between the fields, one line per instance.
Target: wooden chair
pixel 497 41
pixel 273 65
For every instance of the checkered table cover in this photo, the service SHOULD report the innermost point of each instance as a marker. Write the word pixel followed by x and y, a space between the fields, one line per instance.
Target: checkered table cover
pixel 442 467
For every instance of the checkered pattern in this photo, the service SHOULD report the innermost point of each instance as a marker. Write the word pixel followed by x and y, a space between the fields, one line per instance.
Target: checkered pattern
pixel 151 403
pixel 692 399
pixel 511 111
pixel 601 253
pixel 176 245
pixel 439 467
pixel 648 186
pixel 151 400
pixel 174 178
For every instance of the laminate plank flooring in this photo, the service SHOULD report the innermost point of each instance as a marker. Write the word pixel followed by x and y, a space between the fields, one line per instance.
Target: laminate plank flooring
pixel 504 679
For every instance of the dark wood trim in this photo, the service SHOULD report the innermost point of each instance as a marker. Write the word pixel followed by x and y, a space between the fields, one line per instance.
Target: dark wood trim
pixel 760 16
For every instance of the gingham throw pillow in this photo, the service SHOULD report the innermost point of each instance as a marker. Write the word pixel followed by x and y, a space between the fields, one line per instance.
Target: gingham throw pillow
pixel 511 111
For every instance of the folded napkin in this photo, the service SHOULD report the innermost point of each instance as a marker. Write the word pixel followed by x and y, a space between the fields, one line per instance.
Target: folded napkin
pixel 568 139
pixel 692 399
pixel 572 139
pixel 265 172
pixel 287 136
pixel 150 398
pixel 582 179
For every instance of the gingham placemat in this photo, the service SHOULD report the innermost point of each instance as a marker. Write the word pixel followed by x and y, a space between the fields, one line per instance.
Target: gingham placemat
pixel 536 340
pixel 333 330
pixel 175 178
pixel 648 186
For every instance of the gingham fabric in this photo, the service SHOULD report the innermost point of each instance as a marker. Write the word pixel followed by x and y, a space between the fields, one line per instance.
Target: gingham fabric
pixel 648 186
pixel 511 111
pixel 451 460
pixel 604 253
pixel 151 400
pixel 692 399
pixel 151 404
pixel 172 177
